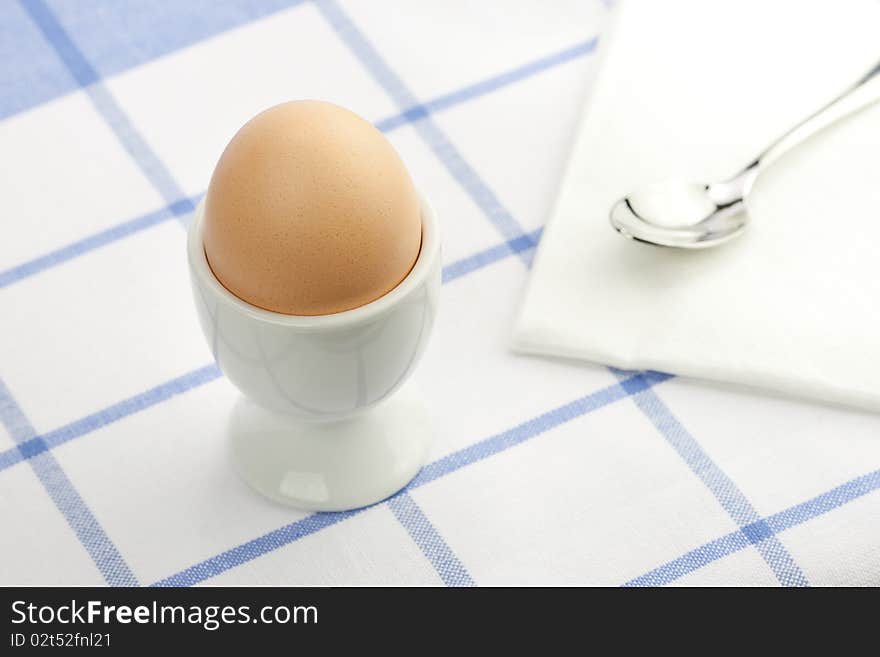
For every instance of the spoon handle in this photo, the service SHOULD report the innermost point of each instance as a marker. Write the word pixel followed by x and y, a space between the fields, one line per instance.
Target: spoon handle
pixel 846 103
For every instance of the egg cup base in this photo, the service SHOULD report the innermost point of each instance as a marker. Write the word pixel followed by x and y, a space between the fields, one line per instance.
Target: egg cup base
pixel 331 466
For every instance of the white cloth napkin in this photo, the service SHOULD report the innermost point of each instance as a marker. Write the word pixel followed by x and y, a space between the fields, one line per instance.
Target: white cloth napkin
pixel 695 90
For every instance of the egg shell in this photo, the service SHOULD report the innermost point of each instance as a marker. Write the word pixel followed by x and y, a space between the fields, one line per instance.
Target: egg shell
pixel 310 211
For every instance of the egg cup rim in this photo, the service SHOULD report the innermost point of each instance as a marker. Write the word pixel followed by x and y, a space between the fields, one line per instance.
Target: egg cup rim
pixel 429 254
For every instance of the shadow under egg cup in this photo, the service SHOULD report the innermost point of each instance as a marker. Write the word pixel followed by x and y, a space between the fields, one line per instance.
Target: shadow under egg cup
pixel 325 422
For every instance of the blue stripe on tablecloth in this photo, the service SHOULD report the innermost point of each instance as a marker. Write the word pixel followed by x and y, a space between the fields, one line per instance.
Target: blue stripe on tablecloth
pixel 95 241
pixel 117 36
pixel 30 72
pixel 731 499
pixel 438 142
pixel 431 472
pixel 68 501
pixel 418 112
pixel 111 36
pixel 58 486
pixel 533 427
pixel 495 253
pixel 104 102
pixel 257 547
pixel 183 207
pixel 141 152
pixel 825 502
pixel 37 444
pixel 81 70
pixel 778 522
pixel 429 540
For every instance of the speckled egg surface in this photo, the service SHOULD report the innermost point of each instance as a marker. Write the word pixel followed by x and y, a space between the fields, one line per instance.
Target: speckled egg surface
pixel 310 211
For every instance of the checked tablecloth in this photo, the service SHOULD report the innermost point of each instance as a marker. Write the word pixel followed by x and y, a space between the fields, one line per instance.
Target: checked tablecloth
pixel 112 465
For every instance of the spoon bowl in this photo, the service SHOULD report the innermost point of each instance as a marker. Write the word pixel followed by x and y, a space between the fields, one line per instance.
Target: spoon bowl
pixel 681 214
pixel 690 215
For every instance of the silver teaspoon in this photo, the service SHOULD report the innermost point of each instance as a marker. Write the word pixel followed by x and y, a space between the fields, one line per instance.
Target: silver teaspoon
pixel 691 215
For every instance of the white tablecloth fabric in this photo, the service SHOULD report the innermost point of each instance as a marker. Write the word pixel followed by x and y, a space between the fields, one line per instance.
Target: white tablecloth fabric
pixel 112 466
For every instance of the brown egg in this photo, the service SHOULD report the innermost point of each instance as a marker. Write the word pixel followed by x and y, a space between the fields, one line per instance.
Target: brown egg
pixel 310 211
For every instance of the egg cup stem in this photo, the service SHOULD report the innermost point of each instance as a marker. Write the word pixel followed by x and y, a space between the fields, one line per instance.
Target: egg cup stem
pixel 331 466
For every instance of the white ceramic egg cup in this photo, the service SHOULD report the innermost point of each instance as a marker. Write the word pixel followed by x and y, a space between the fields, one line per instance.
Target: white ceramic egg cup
pixel 318 427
